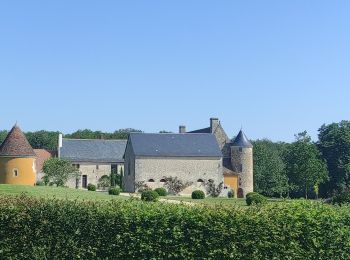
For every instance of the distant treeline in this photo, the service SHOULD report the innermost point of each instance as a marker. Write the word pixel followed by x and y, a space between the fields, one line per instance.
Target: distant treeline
pixel 304 168
pixel 49 139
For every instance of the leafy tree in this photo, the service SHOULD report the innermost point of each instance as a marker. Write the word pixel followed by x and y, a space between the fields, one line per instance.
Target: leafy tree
pixel 334 144
pixel 43 139
pixel 58 171
pixel 104 182
pixel 270 177
pixel 3 135
pixel 305 166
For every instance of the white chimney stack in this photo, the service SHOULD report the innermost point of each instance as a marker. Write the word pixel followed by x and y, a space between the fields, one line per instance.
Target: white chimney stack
pixel 60 143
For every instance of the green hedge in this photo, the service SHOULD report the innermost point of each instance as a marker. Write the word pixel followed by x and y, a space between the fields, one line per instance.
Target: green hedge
pixel 91 187
pixel 197 195
pixel 255 198
pixel 114 191
pixel 149 195
pixel 54 229
pixel 161 191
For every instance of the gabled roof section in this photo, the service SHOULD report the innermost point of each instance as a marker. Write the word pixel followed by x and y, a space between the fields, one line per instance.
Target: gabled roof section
pixel 242 141
pixel 93 150
pixel 206 130
pixel 16 145
pixel 175 145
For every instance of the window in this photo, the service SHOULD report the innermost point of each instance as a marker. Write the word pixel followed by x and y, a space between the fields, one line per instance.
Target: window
pixel 15 172
pixel 240 149
pixel 151 180
pixel 200 180
pixel 76 166
pixel 162 180
pixel 97 166
pixel 240 168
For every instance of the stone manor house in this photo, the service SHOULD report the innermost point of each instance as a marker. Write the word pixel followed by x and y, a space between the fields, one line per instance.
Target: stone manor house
pixel 195 157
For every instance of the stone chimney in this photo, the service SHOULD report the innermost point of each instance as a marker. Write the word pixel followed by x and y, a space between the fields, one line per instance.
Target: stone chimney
pixel 60 141
pixel 214 123
pixel 182 129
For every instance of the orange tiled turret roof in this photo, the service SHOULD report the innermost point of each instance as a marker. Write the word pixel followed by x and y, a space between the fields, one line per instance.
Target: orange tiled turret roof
pixel 16 145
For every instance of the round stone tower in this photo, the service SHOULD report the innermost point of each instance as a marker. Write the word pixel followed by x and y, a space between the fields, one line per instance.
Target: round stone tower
pixel 242 163
pixel 17 159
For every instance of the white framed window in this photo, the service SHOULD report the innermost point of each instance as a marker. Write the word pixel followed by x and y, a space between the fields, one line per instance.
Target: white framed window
pixel 15 173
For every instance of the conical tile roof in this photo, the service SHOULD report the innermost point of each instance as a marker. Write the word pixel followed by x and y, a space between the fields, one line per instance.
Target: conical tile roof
pixel 16 145
pixel 242 141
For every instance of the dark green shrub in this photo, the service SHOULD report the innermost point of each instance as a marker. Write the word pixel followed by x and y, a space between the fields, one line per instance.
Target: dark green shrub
pixel 230 194
pixel 33 228
pixel 114 191
pixel 149 195
pixel 91 187
pixel 255 198
pixel 198 195
pixel 342 197
pixel 40 183
pixel 161 191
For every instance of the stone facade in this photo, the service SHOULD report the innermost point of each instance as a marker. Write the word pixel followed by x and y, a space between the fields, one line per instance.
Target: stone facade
pixel 237 158
pixel 93 173
pixel 192 170
pixel 242 163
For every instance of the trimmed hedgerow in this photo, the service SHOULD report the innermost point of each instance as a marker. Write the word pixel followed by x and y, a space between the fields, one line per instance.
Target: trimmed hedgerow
pixel 91 187
pixel 198 195
pixel 32 228
pixel 161 191
pixel 149 195
pixel 114 191
pixel 255 198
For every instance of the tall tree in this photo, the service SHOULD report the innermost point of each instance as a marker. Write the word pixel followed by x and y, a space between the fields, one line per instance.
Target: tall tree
pixel 270 176
pixel 58 171
pixel 43 139
pixel 305 167
pixel 334 143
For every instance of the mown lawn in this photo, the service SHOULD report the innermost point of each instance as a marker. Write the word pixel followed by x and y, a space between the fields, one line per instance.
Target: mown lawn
pixel 56 192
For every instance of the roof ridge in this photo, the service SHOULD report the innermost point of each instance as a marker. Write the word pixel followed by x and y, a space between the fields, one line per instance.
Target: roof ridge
pixel 92 139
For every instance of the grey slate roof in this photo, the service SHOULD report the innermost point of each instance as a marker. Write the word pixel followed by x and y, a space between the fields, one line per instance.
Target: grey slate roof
pixel 241 140
pixel 99 151
pixel 175 145
pixel 201 131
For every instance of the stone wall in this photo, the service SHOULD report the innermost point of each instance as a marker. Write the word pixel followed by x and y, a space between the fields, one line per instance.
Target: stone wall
pixel 185 169
pixel 242 162
pixel 93 172
pixel 223 140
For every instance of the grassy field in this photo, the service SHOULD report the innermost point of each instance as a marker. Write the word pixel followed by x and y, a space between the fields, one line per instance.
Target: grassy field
pixel 56 192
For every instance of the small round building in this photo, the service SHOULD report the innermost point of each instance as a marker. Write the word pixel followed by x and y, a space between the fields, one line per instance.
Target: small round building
pixel 17 159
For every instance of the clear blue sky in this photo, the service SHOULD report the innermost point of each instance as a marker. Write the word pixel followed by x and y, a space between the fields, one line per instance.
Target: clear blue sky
pixel 275 67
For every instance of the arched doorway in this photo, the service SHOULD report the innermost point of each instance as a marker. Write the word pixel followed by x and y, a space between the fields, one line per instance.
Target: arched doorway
pixel 240 193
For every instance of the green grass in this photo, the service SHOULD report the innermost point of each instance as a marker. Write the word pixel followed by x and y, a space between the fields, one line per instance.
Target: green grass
pixel 56 192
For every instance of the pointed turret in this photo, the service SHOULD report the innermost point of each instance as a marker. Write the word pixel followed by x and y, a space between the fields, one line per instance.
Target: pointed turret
pixel 17 159
pixel 241 140
pixel 16 144
pixel 242 163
